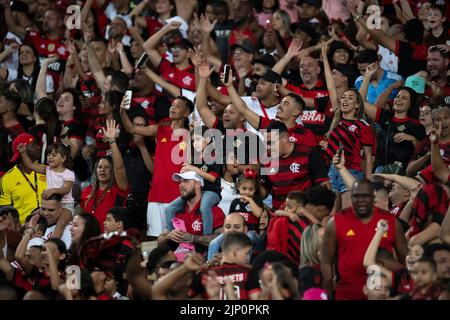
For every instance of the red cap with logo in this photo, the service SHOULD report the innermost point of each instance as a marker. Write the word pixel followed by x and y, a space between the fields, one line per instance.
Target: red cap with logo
pixel 24 138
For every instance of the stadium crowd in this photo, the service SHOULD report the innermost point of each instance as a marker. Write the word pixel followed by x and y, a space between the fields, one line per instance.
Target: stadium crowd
pixel 224 149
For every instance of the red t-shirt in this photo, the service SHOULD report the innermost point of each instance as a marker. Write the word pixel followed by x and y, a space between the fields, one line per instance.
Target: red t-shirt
pixel 236 273
pixel 193 219
pixel 114 197
pixel 353 239
pixel 46 47
pixel 184 79
pixel 164 189
pixel 153 25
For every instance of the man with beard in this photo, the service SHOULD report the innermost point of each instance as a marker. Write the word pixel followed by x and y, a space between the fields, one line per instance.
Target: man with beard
pixel 117 32
pixel 190 185
pixel 347 237
pixel 180 72
pixel 51 42
pixel 437 64
pixel 155 104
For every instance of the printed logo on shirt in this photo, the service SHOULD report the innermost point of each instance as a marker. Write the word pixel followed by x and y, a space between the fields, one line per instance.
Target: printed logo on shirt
pixel 292 139
pixel 163 140
pixel 204 168
pixel 350 233
pixel 171 75
pixel 352 128
pixel 197 225
pixel 295 167
pixel 182 145
pixel 145 104
pixel 62 51
pixel 187 80
pixel 401 128
pixel 51 47
pixel 385 235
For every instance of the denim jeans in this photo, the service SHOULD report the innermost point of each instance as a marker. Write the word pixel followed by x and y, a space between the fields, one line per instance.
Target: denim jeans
pixel 216 243
pixel 209 199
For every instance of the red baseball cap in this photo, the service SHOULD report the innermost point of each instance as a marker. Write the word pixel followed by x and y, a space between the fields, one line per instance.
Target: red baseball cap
pixel 24 138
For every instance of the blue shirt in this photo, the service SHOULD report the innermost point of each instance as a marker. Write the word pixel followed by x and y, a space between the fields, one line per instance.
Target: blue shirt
pixel 386 80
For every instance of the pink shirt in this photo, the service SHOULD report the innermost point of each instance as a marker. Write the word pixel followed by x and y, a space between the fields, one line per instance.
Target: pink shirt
pixel 56 180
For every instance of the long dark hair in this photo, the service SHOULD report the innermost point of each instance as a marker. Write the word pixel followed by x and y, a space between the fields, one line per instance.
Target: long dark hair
pixel 46 110
pixel 77 114
pixel 24 90
pixel 95 183
pixel 36 67
pixel 91 229
pixel 413 110
pixel 338 113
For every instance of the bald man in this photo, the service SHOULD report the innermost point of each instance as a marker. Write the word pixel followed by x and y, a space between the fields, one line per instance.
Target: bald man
pixel 234 222
pixel 347 237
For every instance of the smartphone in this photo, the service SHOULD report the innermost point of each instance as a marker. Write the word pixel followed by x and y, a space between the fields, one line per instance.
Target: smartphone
pixel 226 72
pixel 268 24
pixel 142 61
pixel 127 98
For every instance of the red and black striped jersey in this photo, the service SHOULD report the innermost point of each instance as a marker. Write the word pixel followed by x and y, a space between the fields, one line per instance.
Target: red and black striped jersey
pixel 431 202
pixel 298 171
pixel 284 236
pixel 297 134
pixel 353 134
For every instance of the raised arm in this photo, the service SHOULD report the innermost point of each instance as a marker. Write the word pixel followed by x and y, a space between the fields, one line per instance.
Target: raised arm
pixel 9 20
pixel 185 8
pixel 27 161
pixel 127 68
pixel 172 89
pixel 151 44
pixel 192 263
pixel 41 83
pixel 111 132
pixel 372 249
pixel 148 161
pixel 369 109
pixel 21 250
pixel 252 118
pixel 208 117
pixel 293 51
pixel 385 40
pixel 339 163
pixel 148 131
pixel 85 10
pixel 440 169
pixel 55 279
pixel 331 85
pixel 94 63
pixel 405 182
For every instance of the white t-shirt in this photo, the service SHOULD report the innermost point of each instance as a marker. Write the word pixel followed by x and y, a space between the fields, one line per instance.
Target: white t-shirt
pixel 389 61
pixel 56 180
pixel 66 236
pixel 228 194
pixel 13 61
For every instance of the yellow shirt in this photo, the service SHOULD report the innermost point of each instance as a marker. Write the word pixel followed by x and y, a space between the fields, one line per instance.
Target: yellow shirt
pixel 24 195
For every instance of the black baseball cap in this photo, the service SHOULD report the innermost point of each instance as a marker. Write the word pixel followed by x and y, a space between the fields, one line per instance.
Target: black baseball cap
pixel 272 76
pixel 245 45
pixel 335 45
pixel 182 42
pixel 267 60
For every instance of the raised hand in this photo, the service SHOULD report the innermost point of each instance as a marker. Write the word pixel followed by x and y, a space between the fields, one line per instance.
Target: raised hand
pixel 87 36
pixel 111 131
pixel 339 161
pixel 435 133
pixel 295 47
pixel 230 79
pixel 205 25
pixel 70 45
pixel 174 25
pixel 371 69
pixel 212 285
pixel 195 56
pixel 50 59
pixel 382 225
pixel 119 46
pixel 324 50
pixel 204 70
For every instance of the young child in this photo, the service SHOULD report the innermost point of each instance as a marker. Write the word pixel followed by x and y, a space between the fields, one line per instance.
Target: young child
pixel 294 208
pixel 116 220
pixel 249 204
pixel 425 280
pixel 59 179
pixel 436 20
pixel 211 174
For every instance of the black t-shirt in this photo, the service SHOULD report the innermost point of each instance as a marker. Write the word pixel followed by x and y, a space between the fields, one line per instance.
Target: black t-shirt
pixel 216 170
pixel 388 150
pixel 222 34
pixel 244 209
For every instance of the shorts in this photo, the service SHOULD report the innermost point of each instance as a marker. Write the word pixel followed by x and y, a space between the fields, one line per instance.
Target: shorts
pixel 337 183
pixel 69 206
pixel 156 218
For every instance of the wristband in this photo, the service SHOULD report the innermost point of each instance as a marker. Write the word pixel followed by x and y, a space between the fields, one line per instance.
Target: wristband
pixel 111 142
